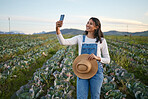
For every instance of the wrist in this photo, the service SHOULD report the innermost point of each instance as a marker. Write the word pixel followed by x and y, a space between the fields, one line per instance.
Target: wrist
pixel 99 59
pixel 58 30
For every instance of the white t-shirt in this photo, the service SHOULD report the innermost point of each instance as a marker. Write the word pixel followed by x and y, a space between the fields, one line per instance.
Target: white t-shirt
pixel 102 48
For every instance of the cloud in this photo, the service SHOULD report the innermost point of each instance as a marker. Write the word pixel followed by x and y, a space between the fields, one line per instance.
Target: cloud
pixel 75 20
pixel 107 20
pixel 26 18
pixel 121 21
pixel 146 14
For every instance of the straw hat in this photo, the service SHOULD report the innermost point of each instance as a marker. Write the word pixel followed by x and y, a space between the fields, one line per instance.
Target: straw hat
pixel 84 68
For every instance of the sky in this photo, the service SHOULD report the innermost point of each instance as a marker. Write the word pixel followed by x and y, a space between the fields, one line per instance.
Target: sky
pixel 34 16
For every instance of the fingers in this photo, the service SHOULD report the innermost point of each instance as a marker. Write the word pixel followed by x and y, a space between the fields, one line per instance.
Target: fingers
pixel 59 23
pixel 91 57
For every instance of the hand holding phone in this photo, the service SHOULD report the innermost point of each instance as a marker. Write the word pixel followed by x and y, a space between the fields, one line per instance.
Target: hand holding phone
pixel 59 24
pixel 62 17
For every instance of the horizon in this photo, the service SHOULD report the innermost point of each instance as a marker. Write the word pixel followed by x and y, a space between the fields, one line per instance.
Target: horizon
pixel 36 16
pixel 65 29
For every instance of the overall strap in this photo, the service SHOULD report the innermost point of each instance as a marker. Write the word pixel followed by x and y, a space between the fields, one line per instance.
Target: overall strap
pixel 83 38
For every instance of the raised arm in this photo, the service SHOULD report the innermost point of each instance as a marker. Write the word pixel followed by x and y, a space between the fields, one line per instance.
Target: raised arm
pixel 71 41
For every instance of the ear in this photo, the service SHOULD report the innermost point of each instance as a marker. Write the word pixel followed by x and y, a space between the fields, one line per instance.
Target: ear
pixel 97 27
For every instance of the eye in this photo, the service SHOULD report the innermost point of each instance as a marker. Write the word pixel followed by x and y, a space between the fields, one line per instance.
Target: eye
pixel 87 22
pixel 91 23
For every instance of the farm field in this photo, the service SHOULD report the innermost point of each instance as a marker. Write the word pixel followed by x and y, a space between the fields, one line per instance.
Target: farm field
pixel 37 66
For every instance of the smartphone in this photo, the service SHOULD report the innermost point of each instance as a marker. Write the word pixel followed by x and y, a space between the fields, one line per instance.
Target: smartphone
pixel 62 17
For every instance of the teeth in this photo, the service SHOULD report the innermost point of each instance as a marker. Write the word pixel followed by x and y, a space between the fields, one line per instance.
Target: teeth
pixel 87 28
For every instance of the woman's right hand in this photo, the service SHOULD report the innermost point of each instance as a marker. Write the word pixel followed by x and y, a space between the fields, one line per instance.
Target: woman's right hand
pixel 58 25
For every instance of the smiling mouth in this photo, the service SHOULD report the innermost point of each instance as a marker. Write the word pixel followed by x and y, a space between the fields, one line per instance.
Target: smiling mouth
pixel 87 28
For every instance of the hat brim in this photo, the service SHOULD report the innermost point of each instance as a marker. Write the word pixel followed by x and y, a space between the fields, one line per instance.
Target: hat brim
pixel 93 70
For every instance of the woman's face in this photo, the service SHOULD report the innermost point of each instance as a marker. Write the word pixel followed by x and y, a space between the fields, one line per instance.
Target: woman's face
pixel 90 26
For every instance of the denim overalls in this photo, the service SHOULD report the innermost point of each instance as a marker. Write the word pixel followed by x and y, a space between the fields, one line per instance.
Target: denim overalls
pixel 96 81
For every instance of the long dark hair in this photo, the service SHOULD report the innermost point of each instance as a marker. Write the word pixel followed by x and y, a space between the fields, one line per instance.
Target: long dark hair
pixel 97 33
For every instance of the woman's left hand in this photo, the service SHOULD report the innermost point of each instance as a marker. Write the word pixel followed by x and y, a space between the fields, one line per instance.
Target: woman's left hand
pixel 92 56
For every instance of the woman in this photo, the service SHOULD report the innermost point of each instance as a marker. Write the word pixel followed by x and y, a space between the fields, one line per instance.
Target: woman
pixel 93 43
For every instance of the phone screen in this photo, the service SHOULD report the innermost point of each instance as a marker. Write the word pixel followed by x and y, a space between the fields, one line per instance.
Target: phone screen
pixel 62 17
